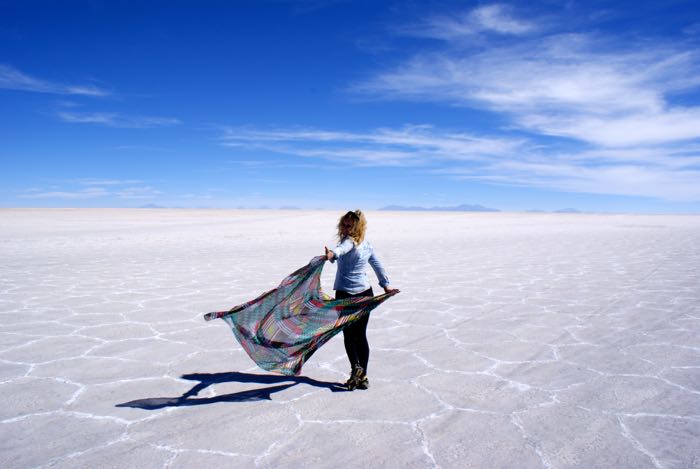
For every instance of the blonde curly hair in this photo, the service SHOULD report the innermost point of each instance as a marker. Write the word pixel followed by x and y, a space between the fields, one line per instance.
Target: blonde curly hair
pixel 358 226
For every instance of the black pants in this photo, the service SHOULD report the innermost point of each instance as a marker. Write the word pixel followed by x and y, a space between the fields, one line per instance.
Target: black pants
pixel 355 335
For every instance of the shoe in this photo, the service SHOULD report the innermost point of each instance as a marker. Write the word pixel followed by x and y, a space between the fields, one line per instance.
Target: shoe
pixel 351 383
pixel 358 379
pixel 363 383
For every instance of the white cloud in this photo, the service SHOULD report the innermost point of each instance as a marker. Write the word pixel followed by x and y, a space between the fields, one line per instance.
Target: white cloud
pixel 497 18
pixel 669 173
pixel 628 180
pixel 635 129
pixel 88 193
pixel 106 182
pixel 579 86
pixel 97 188
pixel 143 192
pixel 13 79
pixel 666 157
pixel 612 102
pixel 413 144
pixel 487 18
pixel 692 29
pixel 148 148
pixel 664 171
pixel 114 119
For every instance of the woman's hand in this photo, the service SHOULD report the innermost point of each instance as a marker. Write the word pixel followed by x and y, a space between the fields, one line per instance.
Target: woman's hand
pixel 329 253
pixel 388 289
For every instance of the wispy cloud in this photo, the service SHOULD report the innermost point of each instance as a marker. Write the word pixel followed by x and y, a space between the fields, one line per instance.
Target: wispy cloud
pixel 97 189
pixel 609 102
pixel 114 119
pixel 692 29
pixel 486 19
pixel 13 79
pixel 411 144
pixel 142 192
pixel 499 19
pixel 624 179
pixel 106 182
pixel 589 88
pixel 664 171
pixel 612 104
pixel 255 166
pixel 147 148
pixel 87 193
pixel 634 129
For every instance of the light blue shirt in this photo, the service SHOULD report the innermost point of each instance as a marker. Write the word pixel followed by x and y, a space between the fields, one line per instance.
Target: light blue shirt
pixel 352 263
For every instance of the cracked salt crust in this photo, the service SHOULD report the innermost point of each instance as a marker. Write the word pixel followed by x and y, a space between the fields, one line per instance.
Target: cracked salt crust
pixel 527 340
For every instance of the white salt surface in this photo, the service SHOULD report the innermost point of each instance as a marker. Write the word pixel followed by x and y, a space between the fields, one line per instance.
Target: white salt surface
pixel 518 340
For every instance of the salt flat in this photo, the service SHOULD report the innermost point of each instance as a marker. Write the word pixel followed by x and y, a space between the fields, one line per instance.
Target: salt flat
pixel 518 340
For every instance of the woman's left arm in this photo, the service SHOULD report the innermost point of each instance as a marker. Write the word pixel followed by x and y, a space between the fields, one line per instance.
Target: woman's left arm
pixel 380 272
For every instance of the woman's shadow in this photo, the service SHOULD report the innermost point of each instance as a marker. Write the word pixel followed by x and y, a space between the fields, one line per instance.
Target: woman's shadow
pixel 208 379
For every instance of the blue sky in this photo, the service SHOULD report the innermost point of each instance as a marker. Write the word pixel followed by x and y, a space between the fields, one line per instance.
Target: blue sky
pixel 344 104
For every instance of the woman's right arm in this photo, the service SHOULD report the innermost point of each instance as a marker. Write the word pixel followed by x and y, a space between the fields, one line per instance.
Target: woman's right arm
pixel 344 247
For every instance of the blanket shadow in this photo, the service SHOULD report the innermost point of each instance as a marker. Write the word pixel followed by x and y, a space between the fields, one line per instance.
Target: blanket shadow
pixel 208 379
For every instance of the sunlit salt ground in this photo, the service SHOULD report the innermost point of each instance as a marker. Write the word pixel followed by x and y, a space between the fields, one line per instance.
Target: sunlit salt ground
pixel 518 340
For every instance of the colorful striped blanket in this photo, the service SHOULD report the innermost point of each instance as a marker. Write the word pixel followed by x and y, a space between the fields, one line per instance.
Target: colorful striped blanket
pixel 283 327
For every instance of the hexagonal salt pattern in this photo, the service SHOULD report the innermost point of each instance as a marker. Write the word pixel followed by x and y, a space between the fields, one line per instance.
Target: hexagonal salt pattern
pixel 519 340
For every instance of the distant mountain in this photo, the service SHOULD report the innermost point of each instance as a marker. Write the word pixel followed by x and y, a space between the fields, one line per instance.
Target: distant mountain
pixel 151 206
pixel 289 207
pixel 400 208
pixel 567 210
pixel 458 208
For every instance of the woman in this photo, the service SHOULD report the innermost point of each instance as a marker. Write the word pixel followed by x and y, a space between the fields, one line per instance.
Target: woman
pixel 353 254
